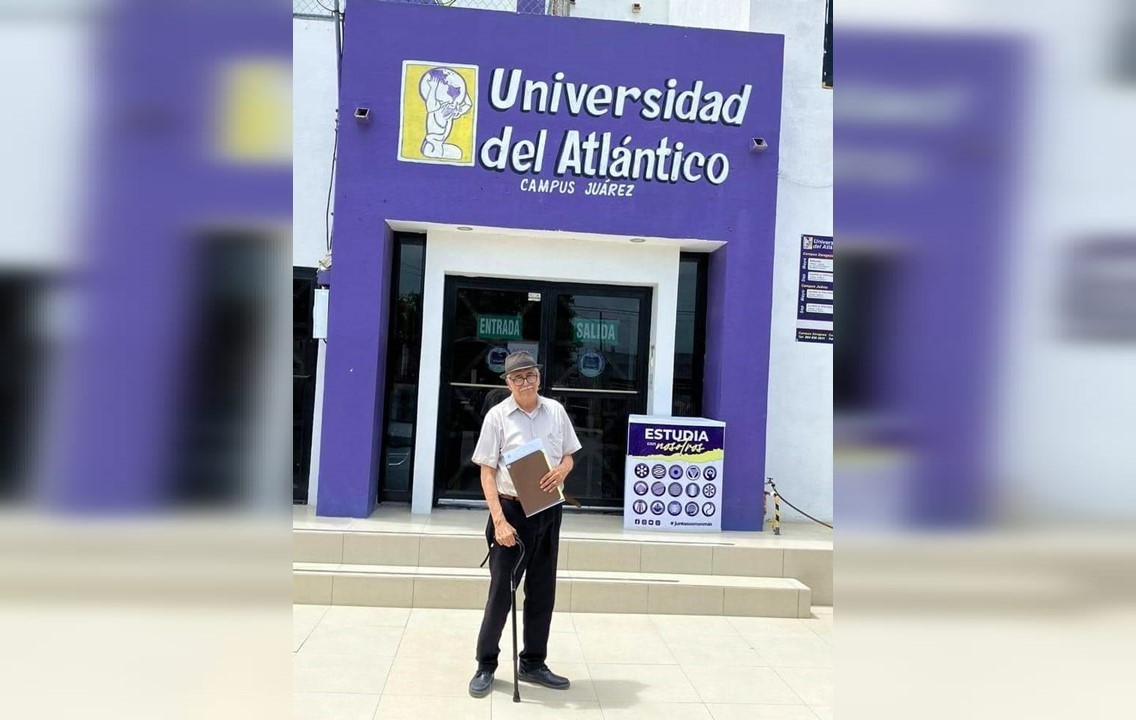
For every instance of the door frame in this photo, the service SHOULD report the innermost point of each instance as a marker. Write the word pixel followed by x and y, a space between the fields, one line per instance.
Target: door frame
pixel 385 494
pixel 310 350
pixel 549 291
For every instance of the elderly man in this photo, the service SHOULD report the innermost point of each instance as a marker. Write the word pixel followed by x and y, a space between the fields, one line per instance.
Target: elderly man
pixel 521 418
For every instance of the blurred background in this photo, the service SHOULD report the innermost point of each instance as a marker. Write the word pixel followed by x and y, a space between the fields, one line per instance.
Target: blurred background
pixel 145 201
pixel 989 285
pixel 985 374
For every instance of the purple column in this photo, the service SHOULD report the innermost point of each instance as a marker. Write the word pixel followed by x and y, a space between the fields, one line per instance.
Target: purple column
pixel 355 375
pixel 739 297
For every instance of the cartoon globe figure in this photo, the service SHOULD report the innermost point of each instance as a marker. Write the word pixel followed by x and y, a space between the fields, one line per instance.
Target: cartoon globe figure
pixel 446 98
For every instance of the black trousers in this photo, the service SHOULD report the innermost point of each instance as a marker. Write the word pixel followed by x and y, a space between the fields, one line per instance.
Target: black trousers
pixel 541 536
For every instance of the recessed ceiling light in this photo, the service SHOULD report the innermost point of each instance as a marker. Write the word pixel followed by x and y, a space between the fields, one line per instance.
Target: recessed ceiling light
pixel 638 240
pixel 466 228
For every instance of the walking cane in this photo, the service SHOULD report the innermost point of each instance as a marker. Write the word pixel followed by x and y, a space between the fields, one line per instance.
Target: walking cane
pixel 513 590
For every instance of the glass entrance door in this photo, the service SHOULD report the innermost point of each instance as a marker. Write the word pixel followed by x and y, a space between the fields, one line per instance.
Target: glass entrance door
pixel 597 369
pixel 485 323
pixel 592 342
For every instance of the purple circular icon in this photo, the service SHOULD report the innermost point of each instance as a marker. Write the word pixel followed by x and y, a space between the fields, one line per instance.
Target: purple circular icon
pixel 640 488
pixel 710 473
pixel 675 489
pixel 693 472
pixel 692 509
pixel 658 489
pixel 675 508
pixel 659 470
pixel 708 509
pixel 691 490
pixel 642 471
pixel 639 506
pixel 657 507
pixel 676 472
pixel 709 490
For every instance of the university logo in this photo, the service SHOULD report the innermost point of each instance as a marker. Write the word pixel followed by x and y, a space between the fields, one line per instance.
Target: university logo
pixel 438 113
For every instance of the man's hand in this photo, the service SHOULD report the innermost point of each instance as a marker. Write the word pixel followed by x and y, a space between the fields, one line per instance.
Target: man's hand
pixel 552 480
pixel 504 533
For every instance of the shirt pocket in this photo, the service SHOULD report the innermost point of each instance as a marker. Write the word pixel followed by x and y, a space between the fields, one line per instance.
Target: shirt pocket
pixel 554 445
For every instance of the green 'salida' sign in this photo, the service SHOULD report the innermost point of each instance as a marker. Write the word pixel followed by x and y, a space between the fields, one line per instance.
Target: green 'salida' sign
pixel 596 331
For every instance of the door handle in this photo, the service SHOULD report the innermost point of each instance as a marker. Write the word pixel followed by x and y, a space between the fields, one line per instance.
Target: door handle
pixel 651 368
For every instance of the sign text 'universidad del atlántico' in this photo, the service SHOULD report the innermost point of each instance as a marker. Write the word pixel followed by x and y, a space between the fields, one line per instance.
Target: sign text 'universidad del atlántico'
pixel 440 114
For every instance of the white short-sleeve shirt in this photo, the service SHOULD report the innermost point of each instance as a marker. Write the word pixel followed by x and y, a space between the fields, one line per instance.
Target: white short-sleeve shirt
pixel 507 426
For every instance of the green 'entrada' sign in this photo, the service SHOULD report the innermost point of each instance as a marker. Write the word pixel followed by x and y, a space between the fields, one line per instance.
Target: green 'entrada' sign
pixel 499 327
pixel 590 330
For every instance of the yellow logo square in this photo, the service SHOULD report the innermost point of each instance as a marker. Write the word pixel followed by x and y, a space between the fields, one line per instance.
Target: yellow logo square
pixel 255 120
pixel 438 113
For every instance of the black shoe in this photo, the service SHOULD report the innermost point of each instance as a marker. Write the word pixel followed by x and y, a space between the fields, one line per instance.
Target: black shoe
pixel 543 676
pixel 481 683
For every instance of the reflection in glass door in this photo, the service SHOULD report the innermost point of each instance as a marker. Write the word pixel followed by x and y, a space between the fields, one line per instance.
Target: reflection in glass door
pixel 486 324
pixel 593 344
pixel 597 369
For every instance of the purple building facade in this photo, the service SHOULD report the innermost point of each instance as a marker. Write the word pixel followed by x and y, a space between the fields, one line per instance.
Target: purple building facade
pixel 528 124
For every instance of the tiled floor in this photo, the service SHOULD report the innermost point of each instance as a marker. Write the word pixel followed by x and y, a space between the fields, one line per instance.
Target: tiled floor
pixel 355 663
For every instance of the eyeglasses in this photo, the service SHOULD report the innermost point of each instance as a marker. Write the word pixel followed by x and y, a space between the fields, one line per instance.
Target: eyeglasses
pixel 522 380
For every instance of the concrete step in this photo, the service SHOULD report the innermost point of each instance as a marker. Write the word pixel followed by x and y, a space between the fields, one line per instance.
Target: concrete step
pixel 577 590
pixel 808 562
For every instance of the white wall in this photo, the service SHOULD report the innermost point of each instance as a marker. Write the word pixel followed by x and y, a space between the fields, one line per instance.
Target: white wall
pixel 449 252
pixel 314 92
pixel 719 14
pixel 798 452
pixel 651 11
pixel 716 14
pixel 45 70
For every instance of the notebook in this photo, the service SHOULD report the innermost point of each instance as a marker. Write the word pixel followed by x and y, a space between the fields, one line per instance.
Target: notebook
pixel 527 464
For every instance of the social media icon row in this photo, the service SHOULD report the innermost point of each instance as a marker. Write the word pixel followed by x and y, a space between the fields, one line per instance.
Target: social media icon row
pixel 660 471
pixel 674 508
pixel 675 489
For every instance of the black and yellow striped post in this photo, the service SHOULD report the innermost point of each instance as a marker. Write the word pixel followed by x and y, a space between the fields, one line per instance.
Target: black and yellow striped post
pixel 776 507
